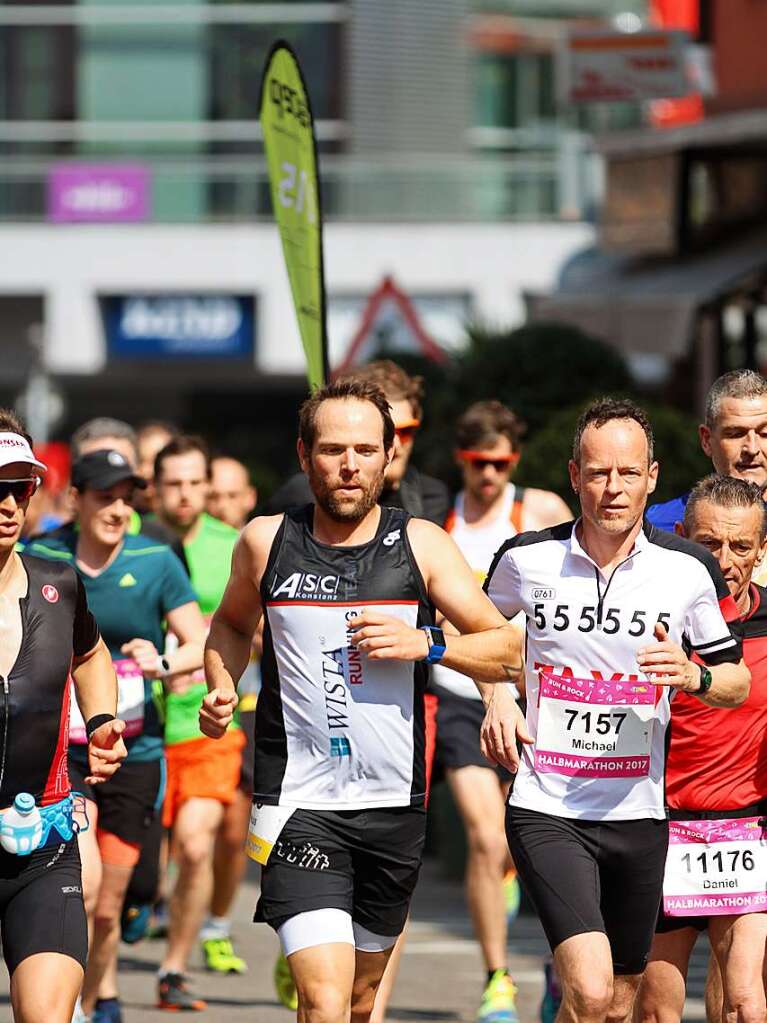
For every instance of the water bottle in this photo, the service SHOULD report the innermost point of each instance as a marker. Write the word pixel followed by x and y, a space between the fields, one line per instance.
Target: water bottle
pixel 21 826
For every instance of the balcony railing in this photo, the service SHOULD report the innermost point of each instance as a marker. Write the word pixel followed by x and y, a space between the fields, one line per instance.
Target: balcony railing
pixel 197 188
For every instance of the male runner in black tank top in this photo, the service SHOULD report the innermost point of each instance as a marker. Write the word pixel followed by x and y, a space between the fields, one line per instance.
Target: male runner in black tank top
pixel 348 592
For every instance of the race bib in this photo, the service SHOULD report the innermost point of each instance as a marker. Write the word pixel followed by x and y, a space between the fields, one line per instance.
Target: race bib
pixel 130 703
pixel 716 868
pixel 591 728
pixel 266 824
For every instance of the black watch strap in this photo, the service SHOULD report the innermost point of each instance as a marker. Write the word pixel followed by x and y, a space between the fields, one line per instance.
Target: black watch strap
pixel 705 682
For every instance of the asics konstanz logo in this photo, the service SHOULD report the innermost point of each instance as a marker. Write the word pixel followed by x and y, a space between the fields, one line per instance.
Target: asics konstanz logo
pixel 307 585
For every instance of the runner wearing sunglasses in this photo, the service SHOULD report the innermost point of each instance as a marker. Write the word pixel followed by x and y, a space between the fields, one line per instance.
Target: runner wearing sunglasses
pixel 46 629
pixel 488 511
pixel 612 604
pixel 136 588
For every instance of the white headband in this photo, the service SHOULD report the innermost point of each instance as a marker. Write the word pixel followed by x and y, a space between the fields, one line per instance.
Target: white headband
pixel 13 448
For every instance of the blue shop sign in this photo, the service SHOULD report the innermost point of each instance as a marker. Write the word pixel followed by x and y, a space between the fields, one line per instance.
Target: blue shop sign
pixel 179 326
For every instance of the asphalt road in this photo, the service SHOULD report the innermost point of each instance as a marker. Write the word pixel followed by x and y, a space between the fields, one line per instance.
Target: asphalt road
pixel 441 977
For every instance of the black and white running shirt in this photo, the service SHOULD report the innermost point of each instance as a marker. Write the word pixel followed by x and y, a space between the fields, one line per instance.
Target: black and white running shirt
pixel 335 730
pixel 598 722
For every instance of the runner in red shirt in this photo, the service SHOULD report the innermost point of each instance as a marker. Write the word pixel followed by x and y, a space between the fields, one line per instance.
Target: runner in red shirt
pixel 716 788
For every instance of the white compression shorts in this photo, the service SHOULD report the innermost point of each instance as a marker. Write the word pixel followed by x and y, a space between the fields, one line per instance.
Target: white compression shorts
pixel 328 927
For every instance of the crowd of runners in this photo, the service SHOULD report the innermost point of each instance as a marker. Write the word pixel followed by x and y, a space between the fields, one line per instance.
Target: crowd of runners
pixel 184 680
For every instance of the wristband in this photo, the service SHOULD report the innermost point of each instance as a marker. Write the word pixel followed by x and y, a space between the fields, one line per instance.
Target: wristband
pixel 437 643
pixel 96 722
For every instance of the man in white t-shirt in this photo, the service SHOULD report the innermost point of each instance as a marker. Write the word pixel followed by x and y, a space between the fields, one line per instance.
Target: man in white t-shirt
pixel 612 606
pixel 488 511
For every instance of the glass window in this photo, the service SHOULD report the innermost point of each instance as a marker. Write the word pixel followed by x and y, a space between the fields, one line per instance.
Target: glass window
pixel 238 53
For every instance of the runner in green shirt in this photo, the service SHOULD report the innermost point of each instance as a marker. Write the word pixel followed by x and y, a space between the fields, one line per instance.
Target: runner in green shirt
pixel 203 774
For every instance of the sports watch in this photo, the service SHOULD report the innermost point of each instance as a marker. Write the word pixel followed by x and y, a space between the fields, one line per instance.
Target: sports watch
pixel 437 643
pixel 705 682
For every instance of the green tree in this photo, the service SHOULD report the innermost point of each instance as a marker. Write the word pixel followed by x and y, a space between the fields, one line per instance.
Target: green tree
pixel 545 457
pixel 547 373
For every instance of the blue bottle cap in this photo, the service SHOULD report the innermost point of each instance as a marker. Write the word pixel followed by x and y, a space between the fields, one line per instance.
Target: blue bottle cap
pixel 24 802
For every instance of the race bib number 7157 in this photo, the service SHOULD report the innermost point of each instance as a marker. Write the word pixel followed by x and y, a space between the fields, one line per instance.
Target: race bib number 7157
pixel 594 728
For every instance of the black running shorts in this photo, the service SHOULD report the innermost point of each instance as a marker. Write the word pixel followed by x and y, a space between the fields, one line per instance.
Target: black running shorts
pixel 127 802
pixel 41 904
pixel 364 862
pixel 459 721
pixel 592 876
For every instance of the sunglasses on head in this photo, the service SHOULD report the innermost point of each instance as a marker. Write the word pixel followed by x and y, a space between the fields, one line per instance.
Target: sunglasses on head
pixel 22 490
pixel 406 431
pixel 481 460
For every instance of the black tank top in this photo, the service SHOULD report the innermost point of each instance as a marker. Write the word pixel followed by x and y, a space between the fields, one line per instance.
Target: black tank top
pixel 34 698
pixel 335 730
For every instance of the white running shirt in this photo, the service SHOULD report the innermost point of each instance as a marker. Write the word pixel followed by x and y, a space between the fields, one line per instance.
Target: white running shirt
pixel 478 545
pixel 599 750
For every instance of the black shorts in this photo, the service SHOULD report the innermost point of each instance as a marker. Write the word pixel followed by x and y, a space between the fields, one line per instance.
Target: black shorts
pixel 666 924
pixel 459 720
pixel 592 876
pixel 248 725
pixel 128 801
pixel 41 904
pixel 364 862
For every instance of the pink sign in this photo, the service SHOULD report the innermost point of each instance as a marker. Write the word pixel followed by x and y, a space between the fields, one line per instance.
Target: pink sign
pixel 99 193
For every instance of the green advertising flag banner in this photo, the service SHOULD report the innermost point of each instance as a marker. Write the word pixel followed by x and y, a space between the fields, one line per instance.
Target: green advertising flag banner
pixel 291 156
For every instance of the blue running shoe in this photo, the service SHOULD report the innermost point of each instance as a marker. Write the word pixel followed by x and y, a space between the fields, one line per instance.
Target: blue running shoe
pixel 107 1010
pixel 552 996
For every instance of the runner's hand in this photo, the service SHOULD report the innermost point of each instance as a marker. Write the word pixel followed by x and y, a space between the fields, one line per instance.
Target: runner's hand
pixel 504 723
pixel 386 638
pixel 144 654
pixel 106 750
pixel 667 664
pixel 216 713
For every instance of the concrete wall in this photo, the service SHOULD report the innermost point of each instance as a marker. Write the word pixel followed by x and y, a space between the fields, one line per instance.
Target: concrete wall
pixel 71 266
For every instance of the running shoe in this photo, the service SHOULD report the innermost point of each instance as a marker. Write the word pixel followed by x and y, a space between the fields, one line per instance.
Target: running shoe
pixel 511 895
pixel 172 994
pixel 135 921
pixel 498 1002
pixel 107 1010
pixel 219 956
pixel 552 996
pixel 78 1016
pixel 283 984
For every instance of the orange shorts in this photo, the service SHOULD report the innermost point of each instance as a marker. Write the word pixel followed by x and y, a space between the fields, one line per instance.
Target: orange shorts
pixel 202 769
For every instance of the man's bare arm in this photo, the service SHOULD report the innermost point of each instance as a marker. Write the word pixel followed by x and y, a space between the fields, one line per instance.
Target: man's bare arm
pixel 488 649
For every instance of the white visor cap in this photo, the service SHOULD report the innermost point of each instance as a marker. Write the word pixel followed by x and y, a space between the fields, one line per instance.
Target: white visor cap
pixel 14 448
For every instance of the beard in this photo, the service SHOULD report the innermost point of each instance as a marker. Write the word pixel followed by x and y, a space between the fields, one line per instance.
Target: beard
pixel 341 508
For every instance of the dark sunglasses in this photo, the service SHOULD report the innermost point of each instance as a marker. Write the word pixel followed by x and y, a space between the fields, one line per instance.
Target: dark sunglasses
pixel 479 461
pixel 22 490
